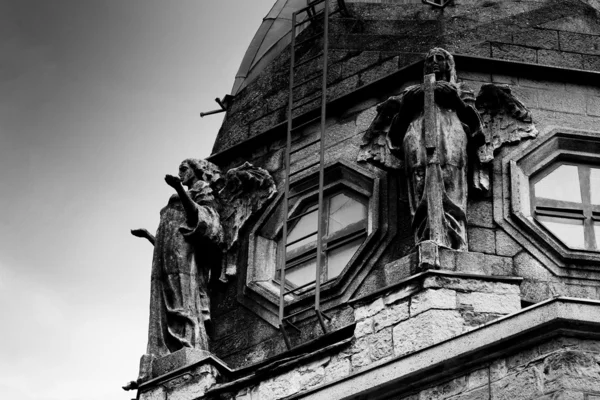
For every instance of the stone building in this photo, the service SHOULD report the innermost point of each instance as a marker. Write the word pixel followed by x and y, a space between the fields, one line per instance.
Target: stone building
pixel 513 312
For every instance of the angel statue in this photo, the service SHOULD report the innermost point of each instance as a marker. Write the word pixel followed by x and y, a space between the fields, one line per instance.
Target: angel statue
pixel 197 234
pixel 435 133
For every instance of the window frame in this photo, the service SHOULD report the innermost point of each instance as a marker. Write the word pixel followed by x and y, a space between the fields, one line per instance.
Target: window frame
pixel 331 242
pixel 258 291
pixel 557 146
pixel 584 211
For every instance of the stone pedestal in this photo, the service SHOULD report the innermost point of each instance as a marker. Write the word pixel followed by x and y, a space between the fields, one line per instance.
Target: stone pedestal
pixel 429 255
pixel 183 375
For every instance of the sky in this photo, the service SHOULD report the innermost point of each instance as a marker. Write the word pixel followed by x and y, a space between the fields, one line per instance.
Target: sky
pixel 99 99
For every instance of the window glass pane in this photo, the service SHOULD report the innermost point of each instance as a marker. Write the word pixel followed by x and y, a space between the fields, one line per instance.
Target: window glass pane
pixel 303 273
pixel 338 258
pixel 560 184
pixel 344 211
pixel 304 226
pixel 569 231
pixel 595 186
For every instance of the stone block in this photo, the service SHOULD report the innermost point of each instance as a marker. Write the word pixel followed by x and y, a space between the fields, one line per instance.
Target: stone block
pixel 512 52
pixel 529 96
pixel 580 43
pixel 490 302
pixel 478 378
pixel 523 385
pixel 429 257
pixel 364 327
pixel 397 270
pixel 337 368
pixel 390 316
pixel 522 359
pixel 401 293
pixel 542 38
pixel 482 240
pixel 444 299
pixel 571 369
pixel 445 390
pixel 426 329
pixel 528 267
pixel 369 349
pixel 280 386
pixel 505 79
pixel 593 106
pixel 498 369
pixel 156 393
pixel 364 119
pixel 482 393
pixel 192 386
pixel 178 359
pixel 471 262
pixel 568 102
pixel 378 71
pixel 591 63
pixel 480 213
pixel 368 310
pixel 471 285
pixel 506 245
pixel 560 59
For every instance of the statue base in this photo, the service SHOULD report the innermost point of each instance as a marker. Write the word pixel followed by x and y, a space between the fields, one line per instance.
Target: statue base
pixel 186 373
pixel 429 255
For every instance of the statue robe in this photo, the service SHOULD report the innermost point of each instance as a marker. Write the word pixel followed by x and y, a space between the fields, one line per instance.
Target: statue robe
pixel 458 130
pixel 183 258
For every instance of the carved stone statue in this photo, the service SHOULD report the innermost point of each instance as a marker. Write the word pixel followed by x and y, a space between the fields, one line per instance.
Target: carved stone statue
pixel 434 132
pixel 196 237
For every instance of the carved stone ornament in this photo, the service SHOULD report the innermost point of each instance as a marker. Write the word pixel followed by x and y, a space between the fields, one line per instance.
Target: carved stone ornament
pixel 194 245
pixel 435 133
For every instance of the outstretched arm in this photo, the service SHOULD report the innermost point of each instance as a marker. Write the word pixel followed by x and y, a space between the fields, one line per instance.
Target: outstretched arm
pixel 143 233
pixel 188 204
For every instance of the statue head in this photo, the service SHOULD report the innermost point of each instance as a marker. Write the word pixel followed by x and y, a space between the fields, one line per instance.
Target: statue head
pixel 205 171
pixel 441 63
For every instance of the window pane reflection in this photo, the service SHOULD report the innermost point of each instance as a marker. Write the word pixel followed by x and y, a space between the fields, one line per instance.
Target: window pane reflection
pixel 344 211
pixel 560 184
pixel 305 225
pixel 340 256
pixel 569 231
pixel 303 273
pixel 595 186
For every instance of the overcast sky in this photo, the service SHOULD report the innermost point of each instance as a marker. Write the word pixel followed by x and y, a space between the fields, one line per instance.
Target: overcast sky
pixel 99 99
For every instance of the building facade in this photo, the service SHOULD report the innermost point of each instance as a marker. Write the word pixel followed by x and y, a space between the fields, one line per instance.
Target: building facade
pixel 503 301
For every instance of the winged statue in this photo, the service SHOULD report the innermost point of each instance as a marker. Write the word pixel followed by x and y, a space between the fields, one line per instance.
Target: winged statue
pixel 195 244
pixel 444 138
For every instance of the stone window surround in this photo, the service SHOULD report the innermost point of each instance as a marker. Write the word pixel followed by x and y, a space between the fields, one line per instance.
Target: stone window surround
pixel 558 145
pixel 262 254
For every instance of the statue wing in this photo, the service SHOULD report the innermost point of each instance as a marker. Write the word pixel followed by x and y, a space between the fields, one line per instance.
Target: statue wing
pixel 247 189
pixel 505 120
pixel 375 147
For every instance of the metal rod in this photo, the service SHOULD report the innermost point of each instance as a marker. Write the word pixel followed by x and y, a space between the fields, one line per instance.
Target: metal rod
pixel 204 114
pixel 283 256
pixel 322 169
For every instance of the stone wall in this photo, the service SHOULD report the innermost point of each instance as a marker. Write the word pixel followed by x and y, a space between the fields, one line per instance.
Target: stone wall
pixel 565 369
pixel 382 38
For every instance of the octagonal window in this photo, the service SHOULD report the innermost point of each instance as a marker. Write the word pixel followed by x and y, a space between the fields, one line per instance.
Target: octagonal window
pixel 345 217
pixel 566 202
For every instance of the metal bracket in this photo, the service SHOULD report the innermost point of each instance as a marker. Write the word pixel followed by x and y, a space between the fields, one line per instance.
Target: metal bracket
pixel 222 103
pixel 437 3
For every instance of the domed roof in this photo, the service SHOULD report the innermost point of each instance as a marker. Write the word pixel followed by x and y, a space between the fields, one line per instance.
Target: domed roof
pixel 272 37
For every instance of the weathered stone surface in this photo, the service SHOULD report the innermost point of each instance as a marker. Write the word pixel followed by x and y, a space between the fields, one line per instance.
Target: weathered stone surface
pixel 364 327
pixel 506 245
pixel 470 285
pixel 498 369
pixel 522 385
pixel 280 386
pixel 482 240
pixel 192 386
pixel 156 393
pixel 426 329
pixel 480 213
pixel 401 293
pixel 482 393
pixel 372 348
pixel 528 267
pixel 571 369
pixel 444 299
pixel 478 378
pixel 390 316
pixel 337 368
pixel 368 310
pixel 446 390
pixel 490 302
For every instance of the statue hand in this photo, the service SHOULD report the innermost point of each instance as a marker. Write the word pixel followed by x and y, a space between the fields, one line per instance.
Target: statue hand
pixel 140 232
pixel 173 181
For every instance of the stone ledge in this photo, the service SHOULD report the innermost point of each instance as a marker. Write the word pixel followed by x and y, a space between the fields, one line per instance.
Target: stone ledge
pixel 559 316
